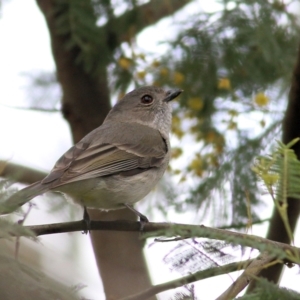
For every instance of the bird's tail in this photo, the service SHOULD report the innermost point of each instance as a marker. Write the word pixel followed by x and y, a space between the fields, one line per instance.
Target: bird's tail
pixel 21 197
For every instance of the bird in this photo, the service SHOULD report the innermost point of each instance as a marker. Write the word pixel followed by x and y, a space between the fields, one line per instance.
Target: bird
pixel 116 164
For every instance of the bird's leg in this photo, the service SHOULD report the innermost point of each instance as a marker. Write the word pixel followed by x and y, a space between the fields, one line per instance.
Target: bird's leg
pixel 87 220
pixel 143 219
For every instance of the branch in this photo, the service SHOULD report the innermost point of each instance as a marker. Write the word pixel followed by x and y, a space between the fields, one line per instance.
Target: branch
pixel 216 271
pixel 20 173
pixel 253 241
pixel 270 249
pixel 121 29
pixel 254 267
pixel 85 101
pixel 32 108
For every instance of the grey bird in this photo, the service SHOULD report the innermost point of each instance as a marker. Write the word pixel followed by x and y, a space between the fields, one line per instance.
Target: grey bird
pixel 118 163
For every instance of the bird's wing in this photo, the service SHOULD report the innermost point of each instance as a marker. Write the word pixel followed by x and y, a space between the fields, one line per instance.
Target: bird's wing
pixel 101 154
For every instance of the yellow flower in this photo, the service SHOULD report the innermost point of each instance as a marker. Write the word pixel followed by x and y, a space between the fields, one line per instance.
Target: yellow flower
pixel 124 63
pixel 213 160
pixel 178 132
pixel 178 77
pixel 164 72
pixel 141 56
pixel 121 95
pixel 194 128
pixel 233 112
pixel 155 64
pixel 176 152
pixel 261 99
pixel 141 74
pixel 224 84
pixel 182 179
pixel 219 148
pixel 176 126
pixel 195 103
pixel 189 114
pixel 197 165
pixel 270 179
pixel 176 120
pixel 176 172
pixel 210 137
pixel 262 123
pixel 232 125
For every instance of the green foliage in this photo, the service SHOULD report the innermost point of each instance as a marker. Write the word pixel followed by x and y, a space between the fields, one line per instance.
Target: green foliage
pixel 192 255
pixel 269 291
pixel 228 63
pixel 251 241
pixel 189 294
pixel 233 64
pixel 237 170
pixel 77 21
pixel 246 46
pixel 9 229
pixel 19 281
pixel 249 44
pixel 280 174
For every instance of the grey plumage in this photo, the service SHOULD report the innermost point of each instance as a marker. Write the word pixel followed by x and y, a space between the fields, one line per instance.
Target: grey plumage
pixel 117 163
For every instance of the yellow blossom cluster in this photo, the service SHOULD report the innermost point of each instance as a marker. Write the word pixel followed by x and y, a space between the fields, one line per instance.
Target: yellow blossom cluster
pixel 261 99
pixel 125 63
pixel 155 64
pixel 224 84
pixel 141 75
pixel 176 126
pixel 232 125
pixel 178 78
pixel 176 152
pixel 196 166
pixel 164 72
pixel 195 103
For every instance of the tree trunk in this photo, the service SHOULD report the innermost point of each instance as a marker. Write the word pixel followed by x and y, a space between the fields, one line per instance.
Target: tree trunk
pixel 291 130
pixel 85 104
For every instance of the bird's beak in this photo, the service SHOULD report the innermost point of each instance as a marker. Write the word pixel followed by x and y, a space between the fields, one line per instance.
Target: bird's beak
pixel 172 95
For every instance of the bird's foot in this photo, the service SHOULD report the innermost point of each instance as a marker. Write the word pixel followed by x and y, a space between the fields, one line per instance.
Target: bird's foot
pixel 143 219
pixel 87 221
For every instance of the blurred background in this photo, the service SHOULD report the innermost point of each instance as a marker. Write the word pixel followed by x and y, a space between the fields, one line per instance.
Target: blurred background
pixel 233 59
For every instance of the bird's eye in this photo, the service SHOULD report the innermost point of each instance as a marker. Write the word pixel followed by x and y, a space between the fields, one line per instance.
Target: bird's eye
pixel 147 99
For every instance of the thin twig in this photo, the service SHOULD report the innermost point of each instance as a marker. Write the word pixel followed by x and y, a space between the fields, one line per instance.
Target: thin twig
pixel 21 222
pixel 263 261
pixel 32 108
pixel 243 224
pixel 189 279
pixel 167 240
pixel 20 173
